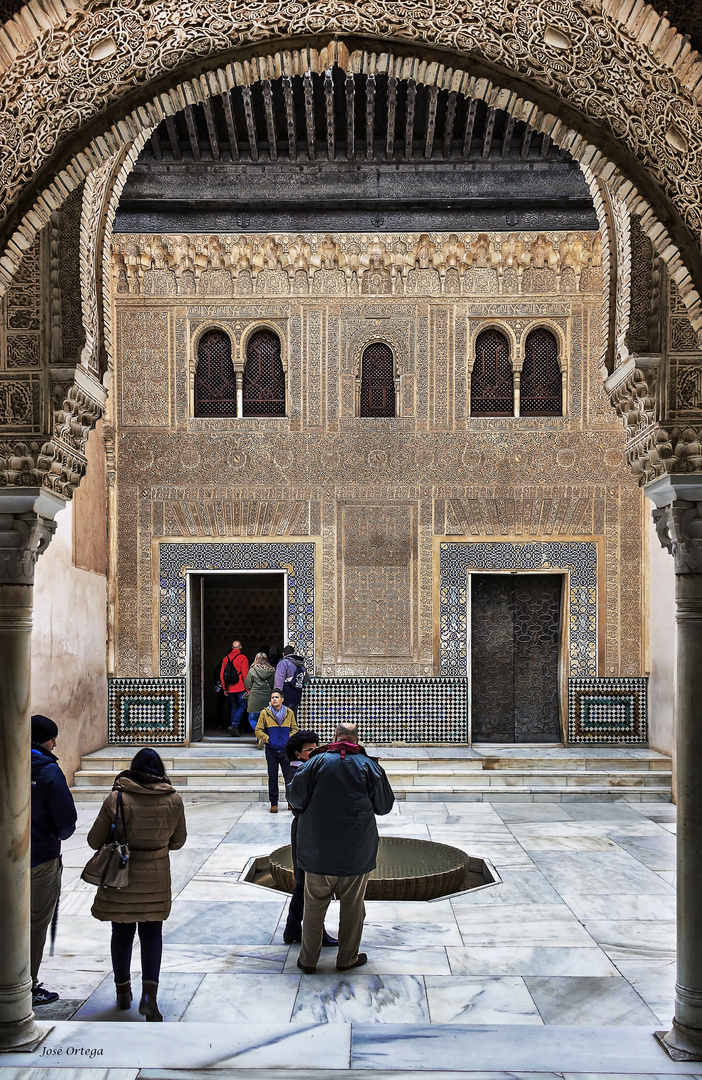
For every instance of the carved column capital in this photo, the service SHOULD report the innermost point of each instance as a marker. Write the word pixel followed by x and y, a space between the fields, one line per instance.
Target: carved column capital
pixel 678 518
pixel 26 527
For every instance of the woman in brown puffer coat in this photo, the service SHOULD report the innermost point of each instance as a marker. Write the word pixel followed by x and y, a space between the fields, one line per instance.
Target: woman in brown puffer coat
pixel 154 823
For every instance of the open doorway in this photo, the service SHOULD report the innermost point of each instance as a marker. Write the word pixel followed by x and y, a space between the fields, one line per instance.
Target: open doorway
pixel 246 605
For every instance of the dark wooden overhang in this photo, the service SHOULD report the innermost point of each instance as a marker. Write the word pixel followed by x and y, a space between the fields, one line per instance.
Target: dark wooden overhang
pixel 345 152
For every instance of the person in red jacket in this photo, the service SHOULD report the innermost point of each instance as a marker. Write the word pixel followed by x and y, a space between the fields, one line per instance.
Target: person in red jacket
pixel 235 668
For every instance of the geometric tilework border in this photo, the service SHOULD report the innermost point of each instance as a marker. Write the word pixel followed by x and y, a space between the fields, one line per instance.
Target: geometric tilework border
pixel 146 711
pixel 457 558
pixel 607 710
pixel 392 709
pixel 177 558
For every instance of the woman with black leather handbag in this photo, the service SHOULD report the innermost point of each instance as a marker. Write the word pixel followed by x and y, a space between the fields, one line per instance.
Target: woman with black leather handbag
pixel 153 823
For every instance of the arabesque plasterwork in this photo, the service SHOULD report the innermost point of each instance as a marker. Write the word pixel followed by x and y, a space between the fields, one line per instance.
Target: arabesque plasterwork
pixel 365 487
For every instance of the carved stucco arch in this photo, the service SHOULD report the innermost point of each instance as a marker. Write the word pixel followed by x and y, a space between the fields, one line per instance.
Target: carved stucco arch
pixel 264 324
pixel 402 363
pixel 194 353
pixel 79 73
pixel 542 322
pixel 489 323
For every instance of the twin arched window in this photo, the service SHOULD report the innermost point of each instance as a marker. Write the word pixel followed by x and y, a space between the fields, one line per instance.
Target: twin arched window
pixel 263 390
pixel 492 383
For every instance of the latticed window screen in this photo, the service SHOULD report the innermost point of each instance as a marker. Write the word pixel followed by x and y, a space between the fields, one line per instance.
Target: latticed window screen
pixel 264 378
pixel 215 387
pixel 492 384
pixel 541 391
pixel 377 382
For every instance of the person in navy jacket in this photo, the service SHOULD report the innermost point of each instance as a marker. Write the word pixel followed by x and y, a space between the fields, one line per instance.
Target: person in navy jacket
pixel 53 820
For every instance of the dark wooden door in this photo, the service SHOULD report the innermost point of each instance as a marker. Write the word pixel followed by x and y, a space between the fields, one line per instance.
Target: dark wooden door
pixel 515 632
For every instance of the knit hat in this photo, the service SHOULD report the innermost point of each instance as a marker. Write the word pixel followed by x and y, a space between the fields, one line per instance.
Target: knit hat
pixel 43 729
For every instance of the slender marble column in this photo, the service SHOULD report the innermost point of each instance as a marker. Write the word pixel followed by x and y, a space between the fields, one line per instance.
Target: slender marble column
pixel 678 519
pixel 26 527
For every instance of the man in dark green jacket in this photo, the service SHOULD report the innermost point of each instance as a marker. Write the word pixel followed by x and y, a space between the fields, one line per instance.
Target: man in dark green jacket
pixel 337 794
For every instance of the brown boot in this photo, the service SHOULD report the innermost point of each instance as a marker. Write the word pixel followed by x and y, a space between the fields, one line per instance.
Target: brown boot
pixel 124 995
pixel 148 1006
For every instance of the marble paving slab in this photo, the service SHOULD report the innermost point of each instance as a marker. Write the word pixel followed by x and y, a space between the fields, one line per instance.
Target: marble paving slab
pixel 539 924
pixel 654 981
pixel 655 852
pixel 191 1046
pixel 475 1000
pixel 516 887
pixel 233 922
pixel 596 873
pixel 230 998
pixel 507 1048
pixel 591 1002
pixel 361 998
pixel 529 960
pixel 175 991
pixel 632 906
pixel 246 959
pixel 634 940
pixel 387 960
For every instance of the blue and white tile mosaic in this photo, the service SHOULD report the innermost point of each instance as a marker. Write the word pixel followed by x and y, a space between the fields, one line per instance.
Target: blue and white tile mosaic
pixel 146 710
pixel 607 710
pixel 176 559
pixel 457 558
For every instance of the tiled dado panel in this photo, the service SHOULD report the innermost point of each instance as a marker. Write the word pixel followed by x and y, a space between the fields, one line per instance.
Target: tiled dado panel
pixel 146 711
pixel 176 559
pixel 389 710
pixel 456 559
pixel 607 710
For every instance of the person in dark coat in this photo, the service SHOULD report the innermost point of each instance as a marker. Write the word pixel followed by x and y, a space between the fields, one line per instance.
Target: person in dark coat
pixel 53 820
pixel 291 678
pixel 337 794
pixel 154 823
pixel 298 749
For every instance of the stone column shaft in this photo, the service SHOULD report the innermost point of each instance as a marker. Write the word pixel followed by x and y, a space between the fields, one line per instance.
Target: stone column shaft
pixel 678 519
pixel 26 527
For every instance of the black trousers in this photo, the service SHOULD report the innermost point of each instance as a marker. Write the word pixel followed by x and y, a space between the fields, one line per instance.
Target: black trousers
pixel 151 941
pixel 274 758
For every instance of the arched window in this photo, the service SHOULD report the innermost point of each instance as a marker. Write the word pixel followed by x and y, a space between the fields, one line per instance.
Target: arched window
pixel 264 378
pixel 492 385
pixel 541 391
pixel 215 387
pixel 377 381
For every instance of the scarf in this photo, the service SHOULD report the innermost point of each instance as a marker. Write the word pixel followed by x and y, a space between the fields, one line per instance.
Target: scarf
pixel 344 748
pixel 278 716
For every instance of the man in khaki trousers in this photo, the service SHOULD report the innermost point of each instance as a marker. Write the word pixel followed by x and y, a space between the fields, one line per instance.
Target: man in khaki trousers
pixel 337 794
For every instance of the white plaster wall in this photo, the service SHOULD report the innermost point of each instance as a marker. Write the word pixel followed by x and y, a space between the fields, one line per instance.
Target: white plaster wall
pixel 69 673
pixel 661 684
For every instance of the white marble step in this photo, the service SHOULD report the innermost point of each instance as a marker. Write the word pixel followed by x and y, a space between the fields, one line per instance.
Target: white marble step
pixel 237 769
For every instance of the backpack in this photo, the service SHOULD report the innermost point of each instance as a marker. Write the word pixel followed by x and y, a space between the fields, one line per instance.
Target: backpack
pixel 232 674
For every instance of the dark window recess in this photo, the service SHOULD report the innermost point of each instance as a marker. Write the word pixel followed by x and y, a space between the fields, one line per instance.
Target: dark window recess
pixel 215 387
pixel 492 385
pixel 541 391
pixel 264 378
pixel 377 381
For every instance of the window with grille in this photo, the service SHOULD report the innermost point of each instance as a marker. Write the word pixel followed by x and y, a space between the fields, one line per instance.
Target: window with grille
pixel 264 378
pixel 492 384
pixel 377 381
pixel 215 387
pixel 541 391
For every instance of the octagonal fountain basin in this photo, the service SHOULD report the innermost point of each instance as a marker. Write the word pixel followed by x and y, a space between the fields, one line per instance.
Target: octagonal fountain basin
pixel 407 869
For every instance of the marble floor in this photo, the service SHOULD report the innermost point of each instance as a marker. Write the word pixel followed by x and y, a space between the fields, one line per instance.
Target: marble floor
pixel 577 939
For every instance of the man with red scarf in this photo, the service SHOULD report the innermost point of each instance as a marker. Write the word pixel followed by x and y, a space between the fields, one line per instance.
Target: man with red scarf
pixel 337 794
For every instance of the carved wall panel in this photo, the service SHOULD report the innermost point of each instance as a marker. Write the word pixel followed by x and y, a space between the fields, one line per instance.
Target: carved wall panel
pixel 144 349
pixel 377 602
pixel 373 494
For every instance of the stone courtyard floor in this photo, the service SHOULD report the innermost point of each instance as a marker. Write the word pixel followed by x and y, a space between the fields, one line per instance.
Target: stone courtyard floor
pixel 565 968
